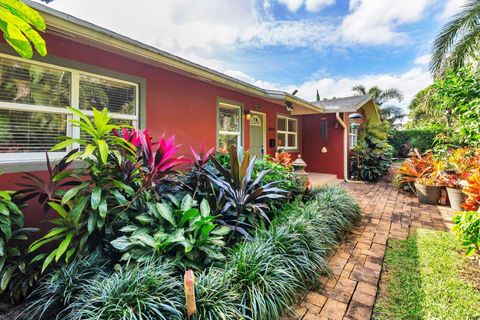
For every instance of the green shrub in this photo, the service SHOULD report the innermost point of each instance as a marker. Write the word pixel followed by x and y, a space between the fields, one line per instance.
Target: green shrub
pixel 147 291
pixel 216 297
pixel 179 232
pixel 17 273
pixel 266 285
pixel 57 290
pixel 278 173
pixel 404 140
pixel 371 157
pixel 467 227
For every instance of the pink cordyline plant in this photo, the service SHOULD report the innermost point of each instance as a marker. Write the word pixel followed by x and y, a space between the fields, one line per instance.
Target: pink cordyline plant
pixel 156 160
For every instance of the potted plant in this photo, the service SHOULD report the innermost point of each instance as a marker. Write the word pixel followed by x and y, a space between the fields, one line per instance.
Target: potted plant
pixel 455 183
pixel 428 190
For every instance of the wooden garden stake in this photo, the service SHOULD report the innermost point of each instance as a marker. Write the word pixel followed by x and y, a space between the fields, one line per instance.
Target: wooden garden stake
pixel 189 283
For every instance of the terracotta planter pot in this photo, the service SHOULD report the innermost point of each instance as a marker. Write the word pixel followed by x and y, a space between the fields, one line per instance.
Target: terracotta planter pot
pixel 428 194
pixel 457 198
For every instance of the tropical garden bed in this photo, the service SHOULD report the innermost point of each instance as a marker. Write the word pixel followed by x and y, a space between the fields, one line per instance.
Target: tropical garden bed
pixel 229 238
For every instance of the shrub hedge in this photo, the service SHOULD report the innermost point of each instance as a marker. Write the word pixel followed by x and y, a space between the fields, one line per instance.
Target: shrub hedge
pixel 260 278
pixel 403 140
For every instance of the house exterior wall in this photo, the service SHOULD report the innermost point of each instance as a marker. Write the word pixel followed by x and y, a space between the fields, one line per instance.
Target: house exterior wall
pixel 332 160
pixel 175 104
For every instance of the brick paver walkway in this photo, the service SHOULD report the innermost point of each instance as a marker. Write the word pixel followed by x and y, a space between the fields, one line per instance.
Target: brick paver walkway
pixel 349 292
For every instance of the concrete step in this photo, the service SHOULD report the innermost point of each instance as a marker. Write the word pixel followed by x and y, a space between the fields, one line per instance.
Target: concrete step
pixel 321 179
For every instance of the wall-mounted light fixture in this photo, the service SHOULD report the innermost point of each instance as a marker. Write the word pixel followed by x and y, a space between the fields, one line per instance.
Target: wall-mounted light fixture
pixel 355 116
pixel 289 106
pixel 248 115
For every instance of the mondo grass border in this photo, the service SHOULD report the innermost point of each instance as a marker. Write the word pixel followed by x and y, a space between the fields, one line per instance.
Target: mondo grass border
pixel 281 263
pixel 260 279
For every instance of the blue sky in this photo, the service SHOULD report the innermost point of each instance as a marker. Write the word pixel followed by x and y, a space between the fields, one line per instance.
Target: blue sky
pixel 329 45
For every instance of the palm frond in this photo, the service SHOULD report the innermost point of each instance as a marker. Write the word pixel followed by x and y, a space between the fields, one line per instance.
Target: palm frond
pixel 359 90
pixel 464 23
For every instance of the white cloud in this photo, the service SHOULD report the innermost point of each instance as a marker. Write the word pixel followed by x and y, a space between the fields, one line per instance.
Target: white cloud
pixel 310 5
pixel 451 8
pixel 409 82
pixel 423 59
pixel 376 21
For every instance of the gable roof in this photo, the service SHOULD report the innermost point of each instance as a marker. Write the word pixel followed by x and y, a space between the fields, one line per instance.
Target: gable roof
pixel 344 104
pixel 351 104
pixel 62 24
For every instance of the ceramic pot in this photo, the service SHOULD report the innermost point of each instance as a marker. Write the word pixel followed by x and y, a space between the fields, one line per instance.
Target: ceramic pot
pixel 428 194
pixel 456 198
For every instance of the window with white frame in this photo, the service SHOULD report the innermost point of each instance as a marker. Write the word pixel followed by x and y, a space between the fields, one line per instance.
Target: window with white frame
pixel 33 97
pixel 229 125
pixel 287 133
pixel 353 135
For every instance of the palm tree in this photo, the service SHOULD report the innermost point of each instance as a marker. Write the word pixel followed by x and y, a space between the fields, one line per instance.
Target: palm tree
pixel 458 40
pixel 379 96
pixel 390 113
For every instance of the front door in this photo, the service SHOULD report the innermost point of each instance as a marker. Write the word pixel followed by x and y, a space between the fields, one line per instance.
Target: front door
pixel 257 131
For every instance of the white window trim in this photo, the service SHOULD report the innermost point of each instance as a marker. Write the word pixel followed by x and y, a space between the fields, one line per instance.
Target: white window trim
pixel 238 133
pixel 353 138
pixel 287 132
pixel 71 130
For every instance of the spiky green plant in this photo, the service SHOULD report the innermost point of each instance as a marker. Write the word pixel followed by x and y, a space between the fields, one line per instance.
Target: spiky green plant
pixel 147 291
pixel 266 285
pixel 216 297
pixel 334 207
pixel 302 248
pixel 59 288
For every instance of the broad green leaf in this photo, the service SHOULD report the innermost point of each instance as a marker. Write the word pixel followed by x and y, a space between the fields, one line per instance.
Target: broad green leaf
pixel 205 208
pixel 96 197
pixel 78 209
pixel 89 149
pixel 103 208
pixel 145 239
pixel 221 231
pixel 103 149
pixel 143 219
pixel 91 222
pixel 26 13
pixel 120 197
pixel 5 195
pixel 7 275
pixel 63 246
pixel 122 243
pixel 73 192
pixel 166 212
pixel 48 260
pixel 62 145
pixel 187 203
pixel 61 211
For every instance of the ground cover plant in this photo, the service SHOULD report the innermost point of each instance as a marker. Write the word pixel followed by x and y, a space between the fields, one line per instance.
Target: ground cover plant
pixel 423 280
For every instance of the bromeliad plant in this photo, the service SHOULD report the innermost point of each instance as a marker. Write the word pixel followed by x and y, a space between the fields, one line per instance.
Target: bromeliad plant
pixel 245 197
pixel 179 231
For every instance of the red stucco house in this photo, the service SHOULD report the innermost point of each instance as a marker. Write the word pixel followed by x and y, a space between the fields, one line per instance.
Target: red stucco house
pixel 146 87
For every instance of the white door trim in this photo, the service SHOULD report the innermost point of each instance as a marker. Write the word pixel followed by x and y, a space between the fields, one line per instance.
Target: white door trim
pixel 264 122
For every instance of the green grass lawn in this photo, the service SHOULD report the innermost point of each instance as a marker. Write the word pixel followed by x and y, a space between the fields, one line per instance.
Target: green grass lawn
pixel 423 279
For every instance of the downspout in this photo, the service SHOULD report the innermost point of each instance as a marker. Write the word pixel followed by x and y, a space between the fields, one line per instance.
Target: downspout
pixel 345 149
